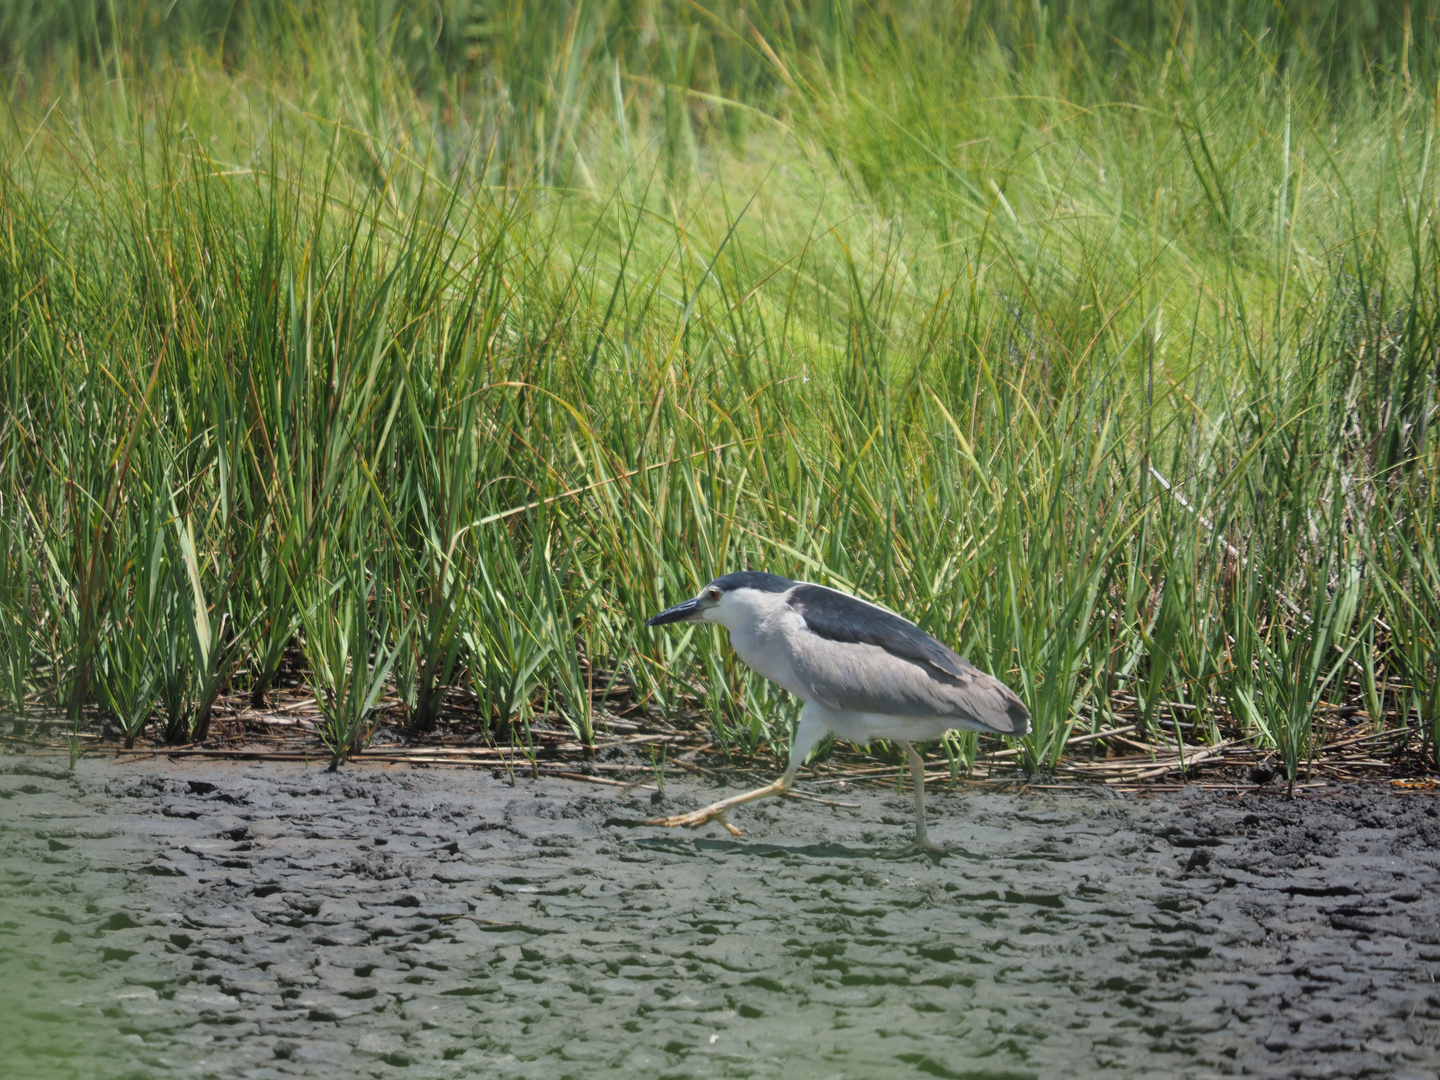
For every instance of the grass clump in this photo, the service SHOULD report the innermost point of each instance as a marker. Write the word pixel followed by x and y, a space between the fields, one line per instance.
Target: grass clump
pixel 448 342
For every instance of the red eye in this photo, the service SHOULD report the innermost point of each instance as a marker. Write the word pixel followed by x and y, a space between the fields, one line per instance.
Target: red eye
pixel 714 595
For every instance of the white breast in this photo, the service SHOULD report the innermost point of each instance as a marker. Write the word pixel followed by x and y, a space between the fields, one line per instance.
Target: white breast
pixel 759 624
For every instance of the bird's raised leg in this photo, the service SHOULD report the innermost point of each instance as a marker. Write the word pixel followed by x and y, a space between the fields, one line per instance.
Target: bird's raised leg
pixel 716 811
pixel 810 731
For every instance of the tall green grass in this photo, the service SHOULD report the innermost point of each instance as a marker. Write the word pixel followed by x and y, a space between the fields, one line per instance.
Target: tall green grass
pixel 448 342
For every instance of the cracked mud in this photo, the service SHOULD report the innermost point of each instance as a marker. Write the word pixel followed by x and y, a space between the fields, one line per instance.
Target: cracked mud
pixel 180 919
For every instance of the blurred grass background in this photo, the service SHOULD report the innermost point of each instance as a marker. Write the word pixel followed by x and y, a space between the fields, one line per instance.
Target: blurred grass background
pixel 445 341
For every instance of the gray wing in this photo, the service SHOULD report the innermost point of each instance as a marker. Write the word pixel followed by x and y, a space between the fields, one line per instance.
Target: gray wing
pixel 862 658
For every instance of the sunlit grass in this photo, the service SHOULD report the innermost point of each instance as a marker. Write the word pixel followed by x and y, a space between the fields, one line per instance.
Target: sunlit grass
pixel 452 362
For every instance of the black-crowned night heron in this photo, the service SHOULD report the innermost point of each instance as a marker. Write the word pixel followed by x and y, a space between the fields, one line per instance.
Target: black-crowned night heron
pixel 863 672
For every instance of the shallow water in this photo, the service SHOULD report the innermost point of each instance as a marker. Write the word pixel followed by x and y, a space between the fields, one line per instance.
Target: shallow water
pixel 179 919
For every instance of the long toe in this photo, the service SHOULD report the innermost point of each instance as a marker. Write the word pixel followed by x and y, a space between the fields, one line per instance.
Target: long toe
pixel 694 819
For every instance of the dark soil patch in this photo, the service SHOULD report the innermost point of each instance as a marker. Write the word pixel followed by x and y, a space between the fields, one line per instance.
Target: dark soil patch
pixel 190 918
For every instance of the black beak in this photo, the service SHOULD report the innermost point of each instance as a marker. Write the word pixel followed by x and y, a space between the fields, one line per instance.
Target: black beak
pixel 678 613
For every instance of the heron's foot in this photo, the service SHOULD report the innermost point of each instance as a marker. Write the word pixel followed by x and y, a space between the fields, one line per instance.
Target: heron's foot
pixel 924 846
pixel 697 818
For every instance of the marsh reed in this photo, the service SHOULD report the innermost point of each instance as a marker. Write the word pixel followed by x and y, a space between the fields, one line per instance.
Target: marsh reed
pixel 443 343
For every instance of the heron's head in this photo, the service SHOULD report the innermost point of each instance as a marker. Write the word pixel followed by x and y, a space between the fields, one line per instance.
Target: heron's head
pixel 731 596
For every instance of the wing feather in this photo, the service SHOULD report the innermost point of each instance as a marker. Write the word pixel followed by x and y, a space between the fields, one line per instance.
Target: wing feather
pixel 861 658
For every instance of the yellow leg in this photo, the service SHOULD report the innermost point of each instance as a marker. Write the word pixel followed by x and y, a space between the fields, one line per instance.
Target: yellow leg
pixel 917 777
pixel 922 842
pixel 811 730
pixel 716 811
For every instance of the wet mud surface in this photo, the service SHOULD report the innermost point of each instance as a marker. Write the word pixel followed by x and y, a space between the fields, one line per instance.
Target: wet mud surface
pixel 179 919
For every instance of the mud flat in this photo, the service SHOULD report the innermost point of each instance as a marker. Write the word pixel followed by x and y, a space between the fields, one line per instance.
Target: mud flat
pixel 187 919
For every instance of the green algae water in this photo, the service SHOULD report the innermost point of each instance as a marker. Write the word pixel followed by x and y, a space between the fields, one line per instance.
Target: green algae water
pixel 197 921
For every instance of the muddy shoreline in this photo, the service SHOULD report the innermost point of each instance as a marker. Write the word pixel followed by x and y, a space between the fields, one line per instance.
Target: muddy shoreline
pixel 189 918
